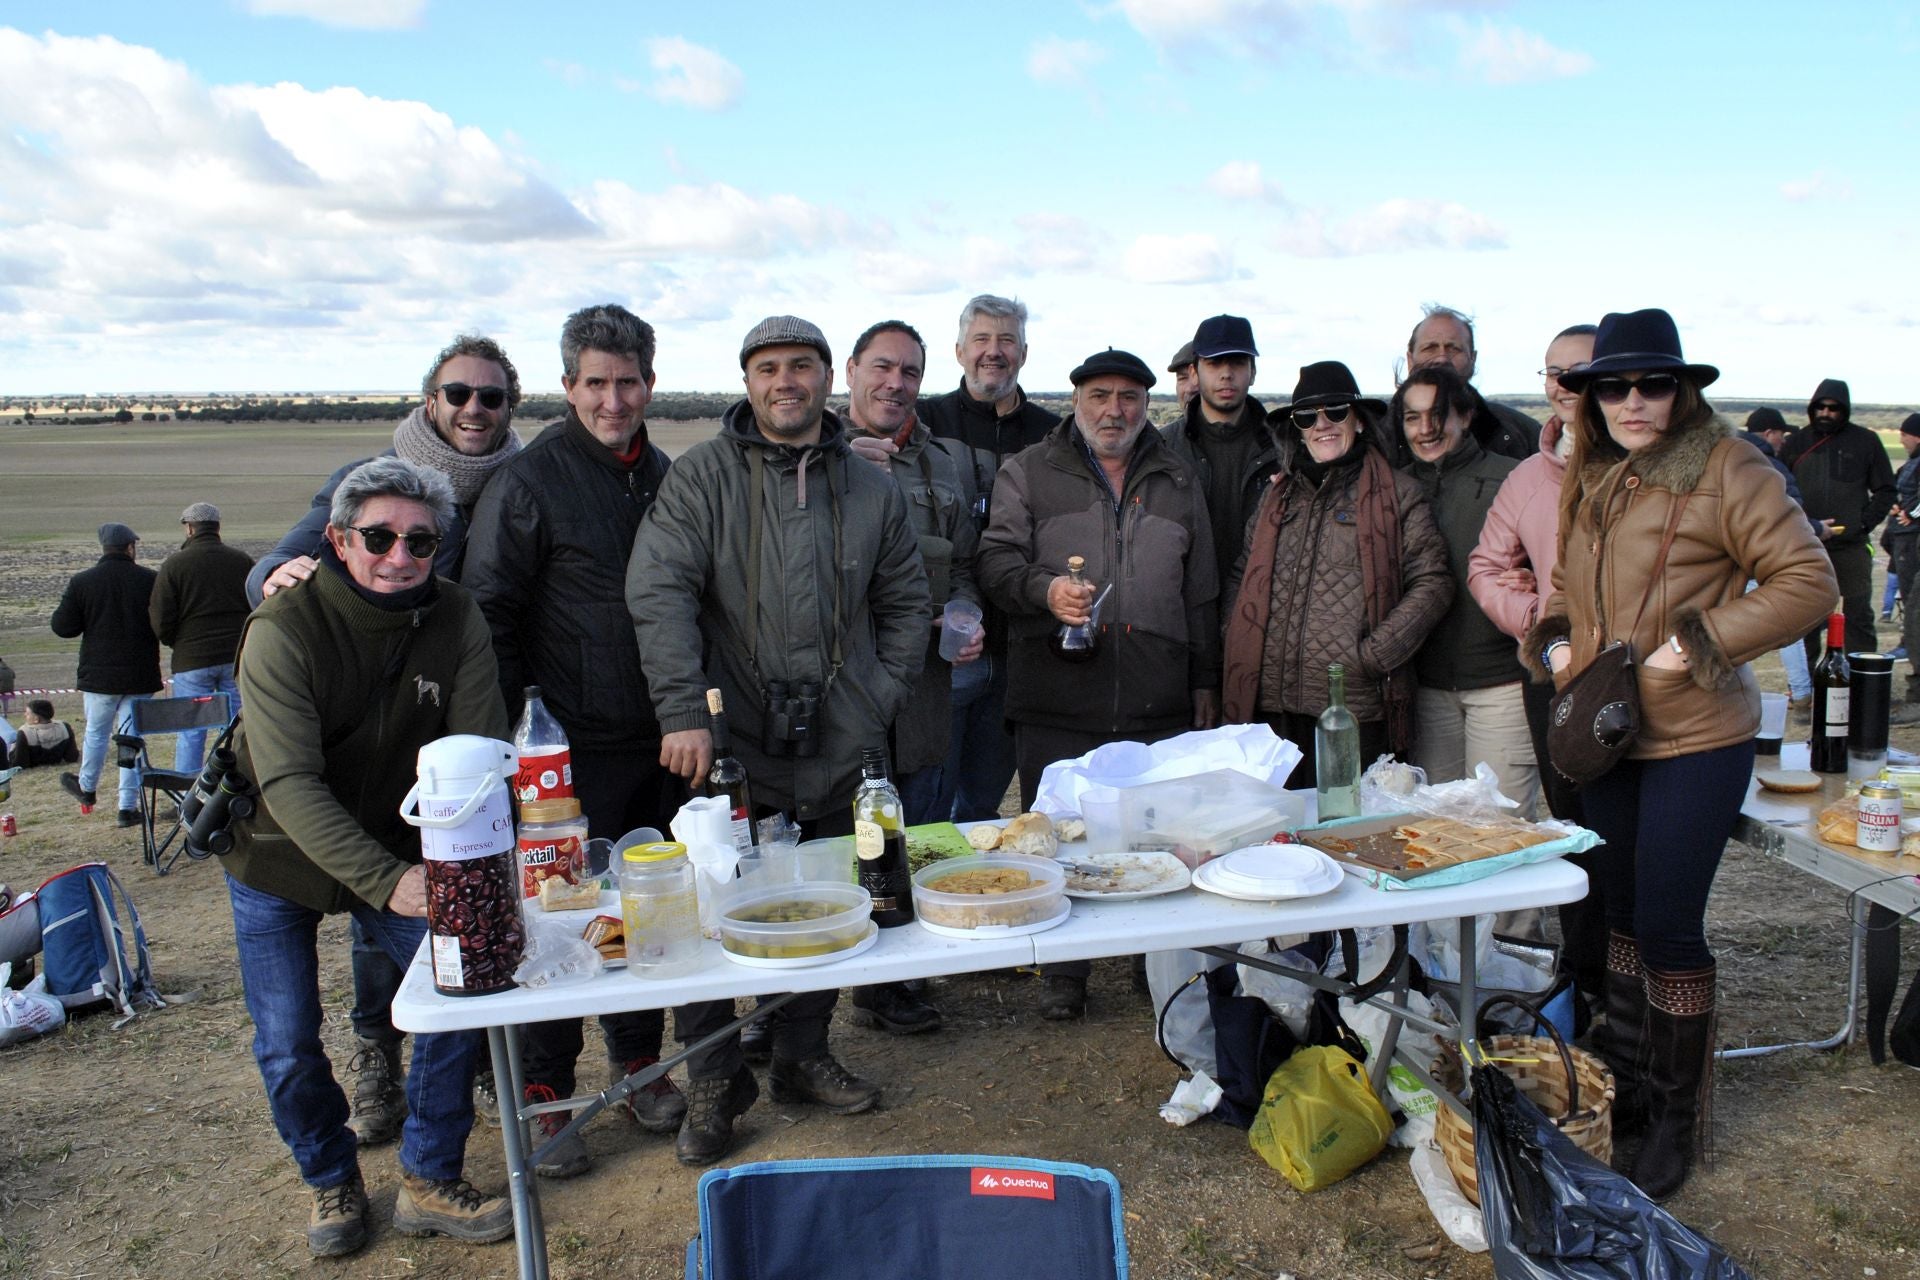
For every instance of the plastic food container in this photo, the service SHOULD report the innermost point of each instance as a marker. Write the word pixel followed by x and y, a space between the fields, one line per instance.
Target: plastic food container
pixel 795 921
pixel 1202 817
pixel 1042 900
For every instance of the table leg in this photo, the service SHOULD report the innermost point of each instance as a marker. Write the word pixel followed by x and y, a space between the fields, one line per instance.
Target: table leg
pixel 529 1229
pixel 1856 965
pixel 1469 978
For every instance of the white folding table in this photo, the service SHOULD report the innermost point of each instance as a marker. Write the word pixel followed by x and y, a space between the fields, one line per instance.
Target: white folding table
pixel 1188 919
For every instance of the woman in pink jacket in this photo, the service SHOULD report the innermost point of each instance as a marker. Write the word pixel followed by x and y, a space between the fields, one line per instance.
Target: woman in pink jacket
pixel 1510 575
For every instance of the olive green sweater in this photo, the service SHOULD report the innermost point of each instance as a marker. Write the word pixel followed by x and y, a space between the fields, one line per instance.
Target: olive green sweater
pixel 339 697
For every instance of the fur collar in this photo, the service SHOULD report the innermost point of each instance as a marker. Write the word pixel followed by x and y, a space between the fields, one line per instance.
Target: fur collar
pixel 1677 462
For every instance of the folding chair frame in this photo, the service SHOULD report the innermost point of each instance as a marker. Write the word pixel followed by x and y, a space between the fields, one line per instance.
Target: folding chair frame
pixel 166 717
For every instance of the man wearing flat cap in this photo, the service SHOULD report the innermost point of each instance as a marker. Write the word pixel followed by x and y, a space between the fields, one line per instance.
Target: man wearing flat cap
pixel 774 563
pixel 199 605
pixel 1105 488
pixel 1186 380
pixel 106 607
pixel 1223 433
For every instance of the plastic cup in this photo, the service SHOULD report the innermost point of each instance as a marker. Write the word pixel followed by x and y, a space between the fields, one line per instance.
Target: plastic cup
pixel 1100 810
pixel 1773 724
pixel 828 858
pixel 959 624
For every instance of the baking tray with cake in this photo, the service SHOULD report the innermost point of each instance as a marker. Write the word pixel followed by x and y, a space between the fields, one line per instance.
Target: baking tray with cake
pixel 1426 851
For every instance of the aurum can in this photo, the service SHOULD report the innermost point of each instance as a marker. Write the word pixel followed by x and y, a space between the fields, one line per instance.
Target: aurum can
pixel 1880 817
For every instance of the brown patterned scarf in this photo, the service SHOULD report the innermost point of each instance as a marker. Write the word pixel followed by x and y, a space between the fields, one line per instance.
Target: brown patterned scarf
pixel 1378 523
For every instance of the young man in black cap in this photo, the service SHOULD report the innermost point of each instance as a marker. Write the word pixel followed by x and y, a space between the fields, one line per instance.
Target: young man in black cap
pixel 1847 481
pixel 1105 488
pixel 1223 433
pixel 106 607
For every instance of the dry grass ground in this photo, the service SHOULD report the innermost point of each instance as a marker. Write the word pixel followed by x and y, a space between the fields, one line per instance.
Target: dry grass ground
pixel 148 1151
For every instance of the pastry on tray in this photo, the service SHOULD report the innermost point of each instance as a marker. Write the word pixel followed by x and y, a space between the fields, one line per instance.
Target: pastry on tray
pixel 1439 842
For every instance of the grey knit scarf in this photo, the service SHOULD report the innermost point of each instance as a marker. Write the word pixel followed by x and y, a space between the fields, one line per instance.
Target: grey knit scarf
pixel 416 441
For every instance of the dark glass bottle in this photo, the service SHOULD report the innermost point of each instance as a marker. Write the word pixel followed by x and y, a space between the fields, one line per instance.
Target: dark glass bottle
pixel 880 840
pixel 1832 699
pixel 728 777
pixel 1075 642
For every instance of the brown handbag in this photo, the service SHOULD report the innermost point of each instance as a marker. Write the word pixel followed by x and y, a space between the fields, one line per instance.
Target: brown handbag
pixel 1594 720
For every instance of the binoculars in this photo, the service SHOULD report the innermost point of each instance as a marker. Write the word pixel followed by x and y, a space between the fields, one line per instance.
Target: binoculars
pixel 220 795
pixel 787 726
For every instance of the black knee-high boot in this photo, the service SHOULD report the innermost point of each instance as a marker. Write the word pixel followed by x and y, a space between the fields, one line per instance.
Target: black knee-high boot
pixel 1622 1041
pixel 1680 1026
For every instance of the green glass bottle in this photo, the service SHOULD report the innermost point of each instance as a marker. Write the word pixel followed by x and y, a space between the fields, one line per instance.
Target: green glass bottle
pixel 1336 752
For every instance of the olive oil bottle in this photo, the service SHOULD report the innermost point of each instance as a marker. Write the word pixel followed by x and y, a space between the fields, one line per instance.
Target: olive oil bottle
pixel 880 840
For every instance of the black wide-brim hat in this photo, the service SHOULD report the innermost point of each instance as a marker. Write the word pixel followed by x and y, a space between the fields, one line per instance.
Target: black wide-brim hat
pixel 1636 342
pixel 1328 382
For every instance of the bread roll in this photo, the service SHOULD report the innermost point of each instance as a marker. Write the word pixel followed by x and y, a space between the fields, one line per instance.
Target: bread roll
pixel 1032 834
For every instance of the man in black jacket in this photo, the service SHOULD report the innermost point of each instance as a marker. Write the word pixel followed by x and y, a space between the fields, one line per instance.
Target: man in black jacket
pixel 1445 336
pixel 1903 543
pixel 989 412
pixel 1847 482
pixel 1222 433
pixel 106 606
pixel 547 562
pixel 199 605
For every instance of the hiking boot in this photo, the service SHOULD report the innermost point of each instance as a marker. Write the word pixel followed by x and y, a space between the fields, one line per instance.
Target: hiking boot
pixel 450 1207
pixel 660 1106
pixel 379 1103
pixel 820 1079
pixel 128 818
pixel 71 781
pixel 756 1040
pixel 889 1006
pixel 567 1160
pixel 1063 998
pixel 338 1224
pixel 713 1104
pixel 486 1100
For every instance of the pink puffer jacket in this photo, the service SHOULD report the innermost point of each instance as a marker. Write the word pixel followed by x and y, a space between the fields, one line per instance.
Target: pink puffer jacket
pixel 1522 529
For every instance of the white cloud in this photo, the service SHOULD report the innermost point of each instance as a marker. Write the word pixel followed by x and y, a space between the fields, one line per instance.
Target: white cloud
pixel 1178 259
pixel 571 74
pixel 367 14
pixel 714 219
pixel 1242 180
pixel 1172 23
pixel 1509 55
pixel 1817 185
pixel 1394 226
pixel 1054 60
pixel 891 273
pixel 693 75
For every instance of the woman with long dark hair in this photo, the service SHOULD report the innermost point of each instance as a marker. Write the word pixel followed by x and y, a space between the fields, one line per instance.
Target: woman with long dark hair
pixel 1651 461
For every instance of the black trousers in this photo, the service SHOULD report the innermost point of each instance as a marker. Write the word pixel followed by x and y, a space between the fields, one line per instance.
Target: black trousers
pixel 618 791
pixel 1853 565
pixel 1906 571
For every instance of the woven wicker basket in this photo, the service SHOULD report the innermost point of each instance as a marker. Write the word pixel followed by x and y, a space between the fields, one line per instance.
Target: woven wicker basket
pixel 1534 1063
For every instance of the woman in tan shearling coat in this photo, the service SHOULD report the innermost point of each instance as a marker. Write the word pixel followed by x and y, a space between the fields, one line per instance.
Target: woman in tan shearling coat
pixel 1644 444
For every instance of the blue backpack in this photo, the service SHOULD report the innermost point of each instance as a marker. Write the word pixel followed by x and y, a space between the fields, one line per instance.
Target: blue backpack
pixel 74 922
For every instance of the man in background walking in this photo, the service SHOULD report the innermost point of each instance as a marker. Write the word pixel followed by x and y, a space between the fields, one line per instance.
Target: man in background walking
pixel 106 608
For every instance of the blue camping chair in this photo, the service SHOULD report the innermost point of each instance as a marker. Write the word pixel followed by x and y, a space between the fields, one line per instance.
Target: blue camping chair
pixel 929 1217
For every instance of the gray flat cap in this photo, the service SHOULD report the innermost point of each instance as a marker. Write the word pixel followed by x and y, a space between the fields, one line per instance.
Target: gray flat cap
pixel 113 536
pixel 1181 359
pixel 201 513
pixel 785 331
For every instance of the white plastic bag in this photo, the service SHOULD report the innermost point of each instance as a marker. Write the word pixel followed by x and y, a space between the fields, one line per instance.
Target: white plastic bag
pixel 1186 1032
pixel 1252 749
pixel 1416 1102
pixel 28 1012
pixel 556 955
pixel 1455 1213
pixel 1290 999
pixel 705 825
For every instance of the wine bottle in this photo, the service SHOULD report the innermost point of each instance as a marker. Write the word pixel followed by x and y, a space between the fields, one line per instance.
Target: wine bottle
pixel 546 759
pixel 1336 752
pixel 727 776
pixel 1075 641
pixel 880 840
pixel 1832 700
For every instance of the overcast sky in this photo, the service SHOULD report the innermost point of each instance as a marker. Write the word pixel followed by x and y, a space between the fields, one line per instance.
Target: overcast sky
pixel 317 194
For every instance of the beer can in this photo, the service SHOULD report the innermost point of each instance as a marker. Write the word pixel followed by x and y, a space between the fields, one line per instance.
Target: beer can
pixel 1880 817
pixel 9 825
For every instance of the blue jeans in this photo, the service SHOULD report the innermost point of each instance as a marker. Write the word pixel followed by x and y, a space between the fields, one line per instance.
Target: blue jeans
pixel 280 970
pixel 980 761
pixel 190 748
pixel 108 714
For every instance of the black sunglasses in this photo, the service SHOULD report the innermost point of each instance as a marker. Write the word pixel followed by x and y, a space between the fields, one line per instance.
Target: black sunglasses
pixel 1305 418
pixel 1651 386
pixel 420 544
pixel 458 393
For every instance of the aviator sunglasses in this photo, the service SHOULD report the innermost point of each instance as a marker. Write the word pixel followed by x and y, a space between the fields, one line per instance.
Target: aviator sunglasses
pixel 458 393
pixel 1305 418
pixel 420 544
pixel 1651 386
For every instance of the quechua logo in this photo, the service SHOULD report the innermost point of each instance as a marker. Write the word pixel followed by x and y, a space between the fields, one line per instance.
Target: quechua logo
pixel 1025 1183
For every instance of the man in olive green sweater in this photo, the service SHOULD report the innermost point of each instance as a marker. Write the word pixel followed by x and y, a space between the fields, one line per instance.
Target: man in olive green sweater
pixel 345 678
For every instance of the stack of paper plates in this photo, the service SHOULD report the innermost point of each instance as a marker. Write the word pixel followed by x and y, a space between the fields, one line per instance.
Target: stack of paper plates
pixel 1270 871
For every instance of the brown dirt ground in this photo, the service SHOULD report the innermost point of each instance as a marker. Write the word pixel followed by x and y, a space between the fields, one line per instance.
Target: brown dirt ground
pixel 148 1151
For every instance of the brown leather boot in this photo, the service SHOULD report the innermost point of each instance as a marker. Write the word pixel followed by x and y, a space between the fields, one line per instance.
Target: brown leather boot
pixel 1680 1025
pixel 1622 1039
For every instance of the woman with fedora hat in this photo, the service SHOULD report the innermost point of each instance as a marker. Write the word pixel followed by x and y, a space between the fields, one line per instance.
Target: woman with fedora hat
pixel 1653 470
pixel 1342 563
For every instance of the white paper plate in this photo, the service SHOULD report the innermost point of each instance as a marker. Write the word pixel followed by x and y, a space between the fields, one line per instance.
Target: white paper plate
pixel 1143 874
pixel 998 930
pixel 807 962
pixel 1325 882
pixel 1262 867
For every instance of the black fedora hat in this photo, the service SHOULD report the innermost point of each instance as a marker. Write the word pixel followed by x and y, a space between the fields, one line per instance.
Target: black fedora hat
pixel 1328 382
pixel 1636 342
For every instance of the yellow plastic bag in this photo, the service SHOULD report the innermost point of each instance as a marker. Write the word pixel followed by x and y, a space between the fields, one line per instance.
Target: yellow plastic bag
pixel 1318 1119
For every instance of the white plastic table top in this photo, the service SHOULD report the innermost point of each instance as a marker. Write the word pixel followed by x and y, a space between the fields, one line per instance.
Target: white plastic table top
pixel 1786 826
pixel 1190 918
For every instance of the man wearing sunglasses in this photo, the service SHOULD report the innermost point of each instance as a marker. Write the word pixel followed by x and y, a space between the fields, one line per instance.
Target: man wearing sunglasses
pixel 1445 336
pixel 1846 482
pixel 462 428
pixel 548 563
pixel 344 680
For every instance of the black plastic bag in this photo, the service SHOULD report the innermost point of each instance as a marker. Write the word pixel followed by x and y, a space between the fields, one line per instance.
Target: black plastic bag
pixel 1553 1212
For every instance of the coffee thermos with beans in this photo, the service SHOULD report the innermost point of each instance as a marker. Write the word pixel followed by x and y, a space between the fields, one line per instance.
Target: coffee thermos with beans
pixel 463 808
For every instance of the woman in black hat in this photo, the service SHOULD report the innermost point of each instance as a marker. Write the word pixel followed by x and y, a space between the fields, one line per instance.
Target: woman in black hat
pixel 1342 564
pixel 1651 463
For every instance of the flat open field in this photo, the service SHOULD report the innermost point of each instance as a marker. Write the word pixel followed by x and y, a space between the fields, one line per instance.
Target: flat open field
pixel 148 1151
